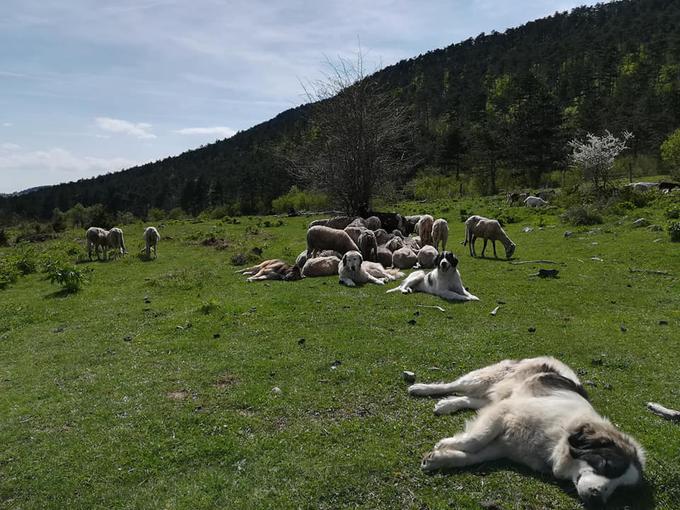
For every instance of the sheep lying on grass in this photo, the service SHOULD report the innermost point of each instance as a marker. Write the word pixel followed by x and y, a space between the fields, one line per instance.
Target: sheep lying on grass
pixel 151 238
pixel 404 258
pixel 427 256
pixel 440 233
pixel 321 238
pixel 489 230
pixel 321 266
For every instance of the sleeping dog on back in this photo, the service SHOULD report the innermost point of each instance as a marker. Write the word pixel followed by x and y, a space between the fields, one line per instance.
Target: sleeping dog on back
pixel 443 281
pixel 535 412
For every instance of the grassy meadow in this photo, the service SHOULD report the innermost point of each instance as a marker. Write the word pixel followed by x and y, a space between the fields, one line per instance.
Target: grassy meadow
pixel 152 386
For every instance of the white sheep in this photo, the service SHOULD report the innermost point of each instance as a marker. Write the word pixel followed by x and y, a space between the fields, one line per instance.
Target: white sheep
pixel 489 230
pixel 532 201
pixel 384 256
pixel 96 239
pixel 404 258
pixel 440 233
pixel 321 238
pixel 151 238
pixel 427 256
pixel 321 266
pixel 425 229
pixel 469 225
pixel 116 242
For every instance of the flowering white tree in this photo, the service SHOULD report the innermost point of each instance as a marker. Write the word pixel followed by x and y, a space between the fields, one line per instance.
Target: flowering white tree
pixel 596 155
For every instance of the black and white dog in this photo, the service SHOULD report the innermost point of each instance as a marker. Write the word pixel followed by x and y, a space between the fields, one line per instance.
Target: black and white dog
pixel 443 281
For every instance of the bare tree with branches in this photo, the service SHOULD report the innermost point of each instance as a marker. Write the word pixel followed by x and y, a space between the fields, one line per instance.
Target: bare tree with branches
pixel 359 137
pixel 596 155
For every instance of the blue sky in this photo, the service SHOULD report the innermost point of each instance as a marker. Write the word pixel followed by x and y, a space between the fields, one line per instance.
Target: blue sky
pixel 93 86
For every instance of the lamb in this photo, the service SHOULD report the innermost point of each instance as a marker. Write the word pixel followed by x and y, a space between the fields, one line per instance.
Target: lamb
pixel 368 246
pixel 440 233
pixel 321 238
pixel 427 256
pixel 115 241
pixel 321 266
pixel 425 229
pixel 489 230
pixel 96 238
pixel 151 238
pixel 532 201
pixel 404 258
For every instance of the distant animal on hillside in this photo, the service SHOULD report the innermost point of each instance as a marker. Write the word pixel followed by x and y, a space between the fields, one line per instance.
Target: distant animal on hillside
pixel 443 281
pixel 489 230
pixel 151 238
pixel 353 269
pixel 272 269
pixel 532 201
pixel 116 242
pixel 440 233
pixel 321 238
pixel 535 412
pixel 96 240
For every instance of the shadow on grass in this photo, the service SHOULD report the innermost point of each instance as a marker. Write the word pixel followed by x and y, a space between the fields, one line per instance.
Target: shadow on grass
pixel 640 497
pixel 143 258
pixel 59 294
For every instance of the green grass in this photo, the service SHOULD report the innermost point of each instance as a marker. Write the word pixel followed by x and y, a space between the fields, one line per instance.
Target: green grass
pixel 152 386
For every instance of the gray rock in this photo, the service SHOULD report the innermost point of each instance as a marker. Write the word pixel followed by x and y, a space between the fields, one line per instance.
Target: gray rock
pixel 409 377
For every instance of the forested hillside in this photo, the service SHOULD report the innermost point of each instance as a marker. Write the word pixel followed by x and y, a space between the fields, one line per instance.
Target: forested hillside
pixel 496 103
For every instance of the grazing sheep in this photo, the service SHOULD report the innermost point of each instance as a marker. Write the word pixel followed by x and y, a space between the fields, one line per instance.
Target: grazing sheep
pixel 469 225
pixel 427 256
pixel 96 238
pixel 440 233
pixel 384 256
pixel 404 258
pixel 425 229
pixel 532 201
pixel 382 236
pixel 116 242
pixel 395 244
pixel 321 238
pixel 368 246
pixel 490 230
pixel 409 225
pixel 353 269
pixel 339 222
pixel 321 266
pixel 373 223
pixel 151 238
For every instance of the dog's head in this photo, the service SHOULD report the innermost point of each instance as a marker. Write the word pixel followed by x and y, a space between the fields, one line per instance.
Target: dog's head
pixel 352 260
pixel 445 261
pixel 293 274
pixel 609 459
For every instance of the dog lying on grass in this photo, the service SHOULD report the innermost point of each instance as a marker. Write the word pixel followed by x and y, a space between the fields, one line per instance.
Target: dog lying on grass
pixel 443 281
pixel 354 269
pixel 272 269
pixel 535 412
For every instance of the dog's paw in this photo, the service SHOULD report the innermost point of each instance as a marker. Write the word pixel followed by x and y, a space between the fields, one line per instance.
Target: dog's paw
pixel 443 407
pixel 380 281
pixel 418 390
pixel 429 463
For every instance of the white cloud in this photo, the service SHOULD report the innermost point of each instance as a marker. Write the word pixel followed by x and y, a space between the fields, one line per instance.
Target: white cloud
pixel 25 168
pixel 140 130
pixel 218 131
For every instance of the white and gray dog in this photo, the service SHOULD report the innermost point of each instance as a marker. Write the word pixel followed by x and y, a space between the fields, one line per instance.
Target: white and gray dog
pixel 535 412
pixel 443 281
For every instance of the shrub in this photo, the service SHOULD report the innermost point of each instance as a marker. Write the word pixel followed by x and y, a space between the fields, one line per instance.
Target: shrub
pixel 26 262
pixel 433 187
pixel 69 277
pixel 4 241
pixel 9 274
pixel 299 200
pixel 673 213
pixel 581 215
pixel 209 306
pixel 674 231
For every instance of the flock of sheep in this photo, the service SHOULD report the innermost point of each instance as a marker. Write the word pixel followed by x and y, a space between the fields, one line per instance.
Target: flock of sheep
pixel 102 241
pixel 382 244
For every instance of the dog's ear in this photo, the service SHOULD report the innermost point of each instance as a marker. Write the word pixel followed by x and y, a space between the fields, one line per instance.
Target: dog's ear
pixel 600 452
pixel 438 259
pixel 344 258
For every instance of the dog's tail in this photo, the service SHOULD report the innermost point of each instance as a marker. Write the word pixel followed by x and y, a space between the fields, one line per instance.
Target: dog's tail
pixel 395 273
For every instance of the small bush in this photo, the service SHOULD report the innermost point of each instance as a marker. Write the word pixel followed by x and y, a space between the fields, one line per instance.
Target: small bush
pixel 209 306
pixel 70 278
pixel 581 215
pixel 674 231
pixel 298 200
pixel 4 241
pixel 26 262
pixel 9 274
pixel 673 213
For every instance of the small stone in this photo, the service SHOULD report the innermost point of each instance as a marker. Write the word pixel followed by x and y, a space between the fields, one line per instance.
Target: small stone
pixel 409 377
pixel 663 322
pixel 640 222
pixel 526 230
pixel 216 335
pixel 532 329
pixel 60 329
pixel 590 383
pixel 568 233
pixel 581 371
pixel 336 364
pixel 607 386
pixel 276 390
pixel 147 300
pixel 596 259
pixel 623 328
pixel 412 322
pixel 127 338
pixel 597 362
pixel 416 313
pixel 301 341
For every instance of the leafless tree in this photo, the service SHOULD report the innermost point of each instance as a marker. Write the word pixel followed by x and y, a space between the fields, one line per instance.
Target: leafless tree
pixel 359 137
